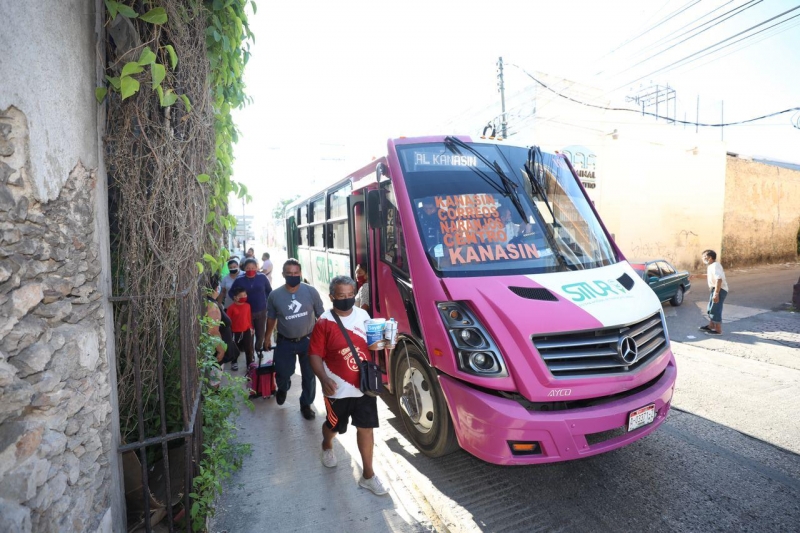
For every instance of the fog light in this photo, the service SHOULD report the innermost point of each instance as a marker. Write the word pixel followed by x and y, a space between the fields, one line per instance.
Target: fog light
pixel 482 361
pixel 525 448
pixel 471 337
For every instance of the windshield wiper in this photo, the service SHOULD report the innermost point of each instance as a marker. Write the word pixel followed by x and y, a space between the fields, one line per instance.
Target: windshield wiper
pixel 507 188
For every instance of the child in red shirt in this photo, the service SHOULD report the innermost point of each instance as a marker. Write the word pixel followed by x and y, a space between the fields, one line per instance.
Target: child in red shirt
pixel 241 322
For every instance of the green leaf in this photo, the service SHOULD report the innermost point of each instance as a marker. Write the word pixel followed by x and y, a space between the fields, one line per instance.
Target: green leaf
pixel 168 98
pixel 147 57
pixel 210 216
pixel 200 267
pixel 112 7
pixel 255 9
pixel 126 11
pixel 208 258
pixel 157 72
pixel 203 178
pixel 131 68
pixel 113 81
pixel 128 87
pixel 173 57
pixel 186 103
pixel 100 93
pixel 156 15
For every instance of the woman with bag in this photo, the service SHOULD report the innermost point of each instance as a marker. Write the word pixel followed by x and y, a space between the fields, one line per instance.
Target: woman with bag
pixel 339 337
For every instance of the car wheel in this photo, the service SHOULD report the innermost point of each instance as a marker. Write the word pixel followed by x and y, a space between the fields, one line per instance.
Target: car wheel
pixel 678 298
pixel 422 404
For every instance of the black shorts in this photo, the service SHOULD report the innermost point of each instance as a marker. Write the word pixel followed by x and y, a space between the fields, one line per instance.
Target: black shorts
pixel 363 410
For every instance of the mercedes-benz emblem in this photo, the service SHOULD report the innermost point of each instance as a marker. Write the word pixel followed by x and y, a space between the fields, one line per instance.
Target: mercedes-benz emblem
pixel 627 350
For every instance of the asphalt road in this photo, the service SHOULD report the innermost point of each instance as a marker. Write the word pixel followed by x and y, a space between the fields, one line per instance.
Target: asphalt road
pixel 726 459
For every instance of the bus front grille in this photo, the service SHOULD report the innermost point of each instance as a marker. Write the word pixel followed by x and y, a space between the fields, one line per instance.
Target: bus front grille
pixel 618 350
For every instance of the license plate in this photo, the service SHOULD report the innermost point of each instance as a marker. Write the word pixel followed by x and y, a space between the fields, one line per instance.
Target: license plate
pixel 641 417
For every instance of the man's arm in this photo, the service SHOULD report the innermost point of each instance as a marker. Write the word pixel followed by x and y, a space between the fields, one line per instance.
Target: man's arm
pixel 267 287
pixel 270 328
pixel 717 288
pixel 328 385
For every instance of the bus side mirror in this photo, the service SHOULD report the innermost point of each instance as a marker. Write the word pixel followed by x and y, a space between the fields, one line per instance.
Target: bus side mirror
pixel 374 209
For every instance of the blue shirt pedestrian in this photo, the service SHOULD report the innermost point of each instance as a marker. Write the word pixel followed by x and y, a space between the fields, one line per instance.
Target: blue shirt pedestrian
pixel 258 289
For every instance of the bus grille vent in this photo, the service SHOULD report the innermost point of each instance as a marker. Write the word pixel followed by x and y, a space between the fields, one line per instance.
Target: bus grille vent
pixel 534 294
pixel 598 352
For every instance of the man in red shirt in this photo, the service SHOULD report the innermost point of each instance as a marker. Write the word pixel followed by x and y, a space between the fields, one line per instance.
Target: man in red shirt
pixel 337 370
pixel 241 323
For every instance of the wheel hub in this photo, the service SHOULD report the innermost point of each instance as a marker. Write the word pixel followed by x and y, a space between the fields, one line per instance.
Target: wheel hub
pixel 416 400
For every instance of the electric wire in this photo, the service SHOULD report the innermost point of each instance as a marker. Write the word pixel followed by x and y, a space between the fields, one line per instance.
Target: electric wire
pixel 674 63
pixel 626 109
pixel 752 3
pixel 669 37
pixel 663 21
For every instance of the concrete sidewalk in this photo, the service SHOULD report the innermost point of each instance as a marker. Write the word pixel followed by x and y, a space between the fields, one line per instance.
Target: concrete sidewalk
pixel 284 487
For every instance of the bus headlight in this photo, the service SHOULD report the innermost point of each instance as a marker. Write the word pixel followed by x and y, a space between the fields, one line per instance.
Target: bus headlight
pixel 476 351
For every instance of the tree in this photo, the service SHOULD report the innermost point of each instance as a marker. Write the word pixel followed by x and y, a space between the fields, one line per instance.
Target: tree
pixel 277 211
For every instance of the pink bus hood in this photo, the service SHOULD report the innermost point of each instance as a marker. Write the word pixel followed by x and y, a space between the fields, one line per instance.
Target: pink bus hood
pixel 585 300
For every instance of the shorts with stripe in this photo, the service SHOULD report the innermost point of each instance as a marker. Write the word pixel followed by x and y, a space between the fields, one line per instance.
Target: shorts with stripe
pixel 363 410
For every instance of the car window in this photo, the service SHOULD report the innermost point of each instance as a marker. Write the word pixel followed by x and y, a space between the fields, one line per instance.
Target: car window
pixel 652 271
pixel 666 269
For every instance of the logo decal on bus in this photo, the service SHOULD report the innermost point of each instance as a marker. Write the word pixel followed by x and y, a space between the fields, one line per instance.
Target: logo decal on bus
pixel 590 291
pixel 560 392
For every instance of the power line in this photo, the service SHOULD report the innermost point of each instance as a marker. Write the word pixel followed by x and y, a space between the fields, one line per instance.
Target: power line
pixel 651 28
pixel 720 125
pixel 713 45
pixel 743 9
pixel 667 38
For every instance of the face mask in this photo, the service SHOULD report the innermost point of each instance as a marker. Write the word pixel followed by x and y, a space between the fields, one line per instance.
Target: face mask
pixel 345 304
pixel 234 271
pixel 705 261
pixel 250 273
pixel 242 300
pixel 361 279
pixel 293 281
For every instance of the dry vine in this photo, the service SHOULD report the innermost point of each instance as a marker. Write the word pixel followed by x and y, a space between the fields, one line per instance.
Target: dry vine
pixel 157 209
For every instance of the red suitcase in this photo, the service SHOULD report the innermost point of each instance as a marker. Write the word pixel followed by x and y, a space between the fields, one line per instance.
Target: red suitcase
pixel 261 380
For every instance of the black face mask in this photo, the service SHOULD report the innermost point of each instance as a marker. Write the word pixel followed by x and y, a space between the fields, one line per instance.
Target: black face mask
pixel 293 281
pixel 234 271
pixel 344 305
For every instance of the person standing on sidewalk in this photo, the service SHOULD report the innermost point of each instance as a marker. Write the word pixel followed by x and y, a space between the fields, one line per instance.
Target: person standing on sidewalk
pixel 258 288
pixel 293 308
pixel 335 366
pixel 266 266
pixel 719 291
pixel 227 282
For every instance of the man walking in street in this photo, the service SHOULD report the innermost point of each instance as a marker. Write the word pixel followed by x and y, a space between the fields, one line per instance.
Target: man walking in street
pixel 227 283
pixel 266 266
pixel 719 291
pixel 335 366
pixel 294 308
pixel 258 289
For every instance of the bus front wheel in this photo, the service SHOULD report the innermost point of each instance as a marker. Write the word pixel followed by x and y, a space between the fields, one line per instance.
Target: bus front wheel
pixel 422 404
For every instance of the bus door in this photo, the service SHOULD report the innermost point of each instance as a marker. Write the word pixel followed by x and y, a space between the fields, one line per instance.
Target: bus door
pixel 357 222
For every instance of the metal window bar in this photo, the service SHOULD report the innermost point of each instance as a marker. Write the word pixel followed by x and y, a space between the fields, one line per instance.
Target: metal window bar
pixel 191 400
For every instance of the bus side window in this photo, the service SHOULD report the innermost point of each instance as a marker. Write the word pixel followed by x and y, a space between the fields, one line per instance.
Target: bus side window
pixel 393 248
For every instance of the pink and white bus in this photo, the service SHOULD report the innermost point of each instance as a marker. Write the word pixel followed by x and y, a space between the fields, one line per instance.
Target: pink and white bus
pixel 525 335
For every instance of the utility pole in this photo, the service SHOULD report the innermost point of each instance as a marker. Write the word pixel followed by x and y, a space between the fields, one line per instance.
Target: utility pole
pixel 502 88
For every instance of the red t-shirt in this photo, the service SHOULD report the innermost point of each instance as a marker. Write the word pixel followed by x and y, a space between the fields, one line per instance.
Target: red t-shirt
pixel 328 342
pixel 241 319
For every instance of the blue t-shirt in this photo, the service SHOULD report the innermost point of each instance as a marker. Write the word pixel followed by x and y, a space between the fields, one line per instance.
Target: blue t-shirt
pixel 258 289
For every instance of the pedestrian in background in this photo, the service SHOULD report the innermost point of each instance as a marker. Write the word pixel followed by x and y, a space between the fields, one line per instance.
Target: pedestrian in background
pixel 336 367
pixel 241 325
pixel 293 308
pixel 258 288
pixel 227 282
pixel 719 291
pixel 266 266
pixel 362 281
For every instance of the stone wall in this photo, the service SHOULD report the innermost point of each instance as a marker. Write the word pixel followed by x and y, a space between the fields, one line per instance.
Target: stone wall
pixel 762 213
pixel 55 396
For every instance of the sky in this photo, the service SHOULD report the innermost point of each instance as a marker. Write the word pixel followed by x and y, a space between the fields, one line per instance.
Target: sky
pixel 331 82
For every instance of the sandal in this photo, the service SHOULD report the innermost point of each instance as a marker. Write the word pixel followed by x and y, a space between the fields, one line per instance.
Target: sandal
pixel 704 328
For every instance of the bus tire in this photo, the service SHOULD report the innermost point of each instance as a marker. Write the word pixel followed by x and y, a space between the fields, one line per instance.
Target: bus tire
pixel 422 404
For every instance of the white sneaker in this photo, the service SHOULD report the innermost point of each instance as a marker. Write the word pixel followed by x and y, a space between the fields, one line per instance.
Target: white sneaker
pixel 329 458
pixel 374 485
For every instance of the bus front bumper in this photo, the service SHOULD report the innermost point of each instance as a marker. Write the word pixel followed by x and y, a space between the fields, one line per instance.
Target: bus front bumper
pixel 486 424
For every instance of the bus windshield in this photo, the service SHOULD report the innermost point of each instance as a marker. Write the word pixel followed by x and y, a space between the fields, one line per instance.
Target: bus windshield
pixel 480 211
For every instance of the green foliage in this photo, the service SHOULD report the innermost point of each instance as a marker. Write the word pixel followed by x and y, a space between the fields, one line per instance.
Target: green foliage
pixel 156 15
pixel 228 39
pixel 222 454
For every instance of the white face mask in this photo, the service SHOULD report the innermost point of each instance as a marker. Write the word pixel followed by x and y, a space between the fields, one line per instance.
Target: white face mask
pixel 705 261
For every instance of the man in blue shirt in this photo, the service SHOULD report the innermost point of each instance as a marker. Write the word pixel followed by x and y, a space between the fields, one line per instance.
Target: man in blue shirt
pixel 258 288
